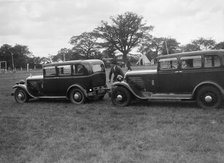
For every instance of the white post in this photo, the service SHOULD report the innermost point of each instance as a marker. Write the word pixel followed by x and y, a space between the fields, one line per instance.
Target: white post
pixel 27 67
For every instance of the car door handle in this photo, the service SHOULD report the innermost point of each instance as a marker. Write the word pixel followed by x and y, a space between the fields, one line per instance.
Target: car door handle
pixel 177 71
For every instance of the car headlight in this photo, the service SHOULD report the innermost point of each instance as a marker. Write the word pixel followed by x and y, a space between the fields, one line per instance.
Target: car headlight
pixel 119 78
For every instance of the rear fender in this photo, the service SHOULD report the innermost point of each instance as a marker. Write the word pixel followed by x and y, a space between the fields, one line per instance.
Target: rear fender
pixel 126 85
pixel 207 83
pixel 75 86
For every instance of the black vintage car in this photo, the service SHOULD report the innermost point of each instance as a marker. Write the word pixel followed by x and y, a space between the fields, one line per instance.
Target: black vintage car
pixel 76 80
pixel 195 76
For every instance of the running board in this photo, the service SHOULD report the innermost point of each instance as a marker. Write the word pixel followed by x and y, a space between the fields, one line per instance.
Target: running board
pixel 51 97
pixel 167 96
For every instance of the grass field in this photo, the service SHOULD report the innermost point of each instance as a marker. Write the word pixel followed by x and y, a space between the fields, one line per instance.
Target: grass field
pixel 48 131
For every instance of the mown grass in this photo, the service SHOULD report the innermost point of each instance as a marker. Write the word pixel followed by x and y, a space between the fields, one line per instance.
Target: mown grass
pixel 58 131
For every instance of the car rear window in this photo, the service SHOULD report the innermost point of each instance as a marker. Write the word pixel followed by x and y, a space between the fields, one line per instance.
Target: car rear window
pixel 79 69
pixel 98 68
pixel 212 61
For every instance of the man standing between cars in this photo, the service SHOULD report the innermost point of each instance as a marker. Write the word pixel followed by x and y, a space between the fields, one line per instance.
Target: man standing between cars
pixel 116 70
pixel 128 65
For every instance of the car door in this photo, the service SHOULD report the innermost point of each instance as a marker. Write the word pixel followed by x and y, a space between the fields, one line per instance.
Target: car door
pixel 168 79
pixel 50 87
pixel 191 73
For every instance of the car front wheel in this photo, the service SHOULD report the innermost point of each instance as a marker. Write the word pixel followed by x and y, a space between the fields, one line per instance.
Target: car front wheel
pixel 209 97
pixel 20 96
pixel 121 96
pixel 77 96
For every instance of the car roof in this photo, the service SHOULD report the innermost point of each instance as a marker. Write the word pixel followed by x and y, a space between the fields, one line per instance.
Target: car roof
pixel 212 52
pixel 89 61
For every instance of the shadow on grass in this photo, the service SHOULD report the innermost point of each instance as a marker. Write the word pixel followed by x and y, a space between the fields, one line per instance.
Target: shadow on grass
pixel 165 103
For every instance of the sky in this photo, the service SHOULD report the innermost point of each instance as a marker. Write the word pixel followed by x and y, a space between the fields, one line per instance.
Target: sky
pixel 46 26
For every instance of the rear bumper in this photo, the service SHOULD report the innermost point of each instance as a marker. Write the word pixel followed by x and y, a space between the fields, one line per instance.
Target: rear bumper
pixel 98 91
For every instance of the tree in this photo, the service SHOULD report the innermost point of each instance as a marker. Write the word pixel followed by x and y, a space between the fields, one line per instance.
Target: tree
pixel 64 54
pixel 17 56
pixel 6 55
pixel 109 51
pixel 21 55
pixel 154 46
pixel 85 44
pixel 219 45
pixel 124 33
pixel 190 47
pixel 204 44
pixel 199 44
pixel 170 46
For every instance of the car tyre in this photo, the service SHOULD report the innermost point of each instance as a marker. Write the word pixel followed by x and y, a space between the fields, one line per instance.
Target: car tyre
pixel 77 96
pixel 121 96
pixel 21 96
pixel 209 97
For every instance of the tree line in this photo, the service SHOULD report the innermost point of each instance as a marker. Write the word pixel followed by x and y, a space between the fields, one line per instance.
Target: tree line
pixel 123 33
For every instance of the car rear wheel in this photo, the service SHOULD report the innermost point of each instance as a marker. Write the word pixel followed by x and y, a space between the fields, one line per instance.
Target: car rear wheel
pixel 20 96
pixel 209 97
pixel 121 96
pixel 77 96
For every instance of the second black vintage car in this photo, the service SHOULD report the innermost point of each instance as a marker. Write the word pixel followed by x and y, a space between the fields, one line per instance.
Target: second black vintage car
pixel 76 80
pixel 195 76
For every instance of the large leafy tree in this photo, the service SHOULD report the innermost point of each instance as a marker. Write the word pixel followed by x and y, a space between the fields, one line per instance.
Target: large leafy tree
pixel 66 54
pixel 124 32
pixel 6 55
pixel 190 47
pixel 200 44
pixel 85 44
pixel 154 46
pixel 151 47
pixel 17 56
pixel 21 55
pixel 220 45
pixel 169 46
pixel 109 49
pixel 204 44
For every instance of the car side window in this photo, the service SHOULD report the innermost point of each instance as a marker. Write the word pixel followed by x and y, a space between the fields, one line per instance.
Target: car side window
pixel 79 69
pixel 64 70
pixel 98 68
pixel 50 71
pixel 191 62
pixel 168 64
pixel 212 61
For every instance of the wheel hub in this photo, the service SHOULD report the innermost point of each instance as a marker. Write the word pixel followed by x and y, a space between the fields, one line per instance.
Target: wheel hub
pixel 208 98
pixel 77 96
pixel 20 96
pixel 119 97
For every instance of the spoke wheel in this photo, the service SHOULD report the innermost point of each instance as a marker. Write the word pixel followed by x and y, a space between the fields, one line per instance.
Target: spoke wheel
pixel 209 97
pixel 20 96
pixel 77 96
pixel 121 96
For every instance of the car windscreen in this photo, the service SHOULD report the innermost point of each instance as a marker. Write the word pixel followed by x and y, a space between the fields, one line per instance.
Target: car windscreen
pixel 98 67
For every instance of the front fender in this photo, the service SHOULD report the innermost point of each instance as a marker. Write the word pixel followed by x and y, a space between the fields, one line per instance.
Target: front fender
pixel 126 85
pixel 24 87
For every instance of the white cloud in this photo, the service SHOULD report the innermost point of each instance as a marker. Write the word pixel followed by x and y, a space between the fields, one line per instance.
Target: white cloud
pixel 46 26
